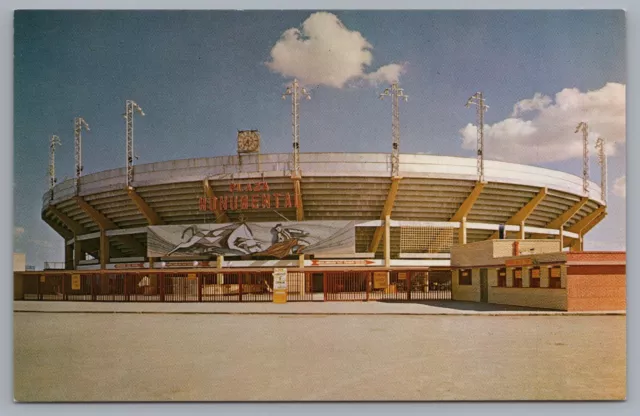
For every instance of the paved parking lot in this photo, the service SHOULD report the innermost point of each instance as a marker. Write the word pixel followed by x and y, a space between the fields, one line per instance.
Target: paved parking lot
pixel 147 357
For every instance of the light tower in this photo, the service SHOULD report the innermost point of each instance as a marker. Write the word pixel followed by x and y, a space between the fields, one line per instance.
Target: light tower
pixel 395 93
pixel 602 161
pixel 296 93
pixel 478 100
pixel 584 128
pixel 53 142
pixel 130 108
pixel 78 124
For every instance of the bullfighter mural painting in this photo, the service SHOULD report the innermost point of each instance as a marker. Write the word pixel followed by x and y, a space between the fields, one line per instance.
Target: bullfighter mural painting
pixel 255 239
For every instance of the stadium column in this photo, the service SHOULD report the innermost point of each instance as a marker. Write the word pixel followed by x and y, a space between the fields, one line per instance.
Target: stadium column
pixel 387 241
pixel 521 236
pixel 220 276
pixel 104 248
pixel 77 252
pixel 68 255
pixel 462 232
pixel 302 280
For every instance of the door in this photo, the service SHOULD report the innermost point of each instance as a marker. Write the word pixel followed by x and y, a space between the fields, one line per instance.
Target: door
pixel 484 287
pixel 317 284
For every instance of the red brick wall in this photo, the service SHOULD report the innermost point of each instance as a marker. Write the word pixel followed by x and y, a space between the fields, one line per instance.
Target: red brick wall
pixel 591 256
pixel 596 292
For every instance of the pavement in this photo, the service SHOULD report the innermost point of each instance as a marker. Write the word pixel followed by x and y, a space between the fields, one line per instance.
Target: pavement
pixel 88 357
pixel 447 307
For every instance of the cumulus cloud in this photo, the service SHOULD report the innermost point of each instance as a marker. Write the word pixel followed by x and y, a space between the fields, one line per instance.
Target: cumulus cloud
pixel 541 129
pixel 18 232
pixel 325 52
pixel 620 187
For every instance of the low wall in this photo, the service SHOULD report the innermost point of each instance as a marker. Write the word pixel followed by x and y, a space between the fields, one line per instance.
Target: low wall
pixel 466 292
pixel 529 297
pixel 597 292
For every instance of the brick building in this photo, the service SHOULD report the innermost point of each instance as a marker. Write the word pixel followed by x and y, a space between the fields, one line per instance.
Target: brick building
pixel 535 273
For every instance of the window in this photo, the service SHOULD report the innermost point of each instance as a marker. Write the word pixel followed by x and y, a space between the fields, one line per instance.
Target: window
pixel 554 278
pixel 517 277
pixel 534 280
pixel 502 277
pixel 464 277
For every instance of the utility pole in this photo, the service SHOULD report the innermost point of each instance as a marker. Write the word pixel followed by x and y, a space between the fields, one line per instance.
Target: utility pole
pixel 478 100
pixel 602 161
pixel 130 108
pixel 296 93
pixel 53 142
pixel 78 124
pixel 584 128
pixel 395 93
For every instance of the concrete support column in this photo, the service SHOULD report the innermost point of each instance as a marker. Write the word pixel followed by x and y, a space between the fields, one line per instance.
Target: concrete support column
pixel 302 277
pixel 521 236
pixel 104 249
pixel 220 276
pixel 462 231
pixel 526 277
pixel 509 276
pixel 544 277
pixel 387 241
pixel 561 237
pixel 77 253
pixel 68 257
pixel 577 244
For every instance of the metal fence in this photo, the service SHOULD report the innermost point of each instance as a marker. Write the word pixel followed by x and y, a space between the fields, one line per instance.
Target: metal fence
pixel 233 286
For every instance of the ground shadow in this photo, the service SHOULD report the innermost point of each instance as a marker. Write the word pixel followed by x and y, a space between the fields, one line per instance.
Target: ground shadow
pixel 466 306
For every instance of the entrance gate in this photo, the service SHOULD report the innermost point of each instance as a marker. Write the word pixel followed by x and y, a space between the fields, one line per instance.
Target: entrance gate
pixel 237 285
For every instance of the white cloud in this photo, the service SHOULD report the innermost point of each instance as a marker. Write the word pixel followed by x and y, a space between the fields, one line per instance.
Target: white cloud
pixel 325 52
pixel 547 135
pixel 620 187
pixel 18 232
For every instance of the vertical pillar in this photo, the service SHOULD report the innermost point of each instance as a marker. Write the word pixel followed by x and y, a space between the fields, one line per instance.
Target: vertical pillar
pixel 77 253
pixel 521 236
pixel 387 241
pixel 104 249
pixel 526 277
pixel 561 237
pixel 577 244
pixel 220 276
pixel 462 231
pixel 302 274
pixel 68 256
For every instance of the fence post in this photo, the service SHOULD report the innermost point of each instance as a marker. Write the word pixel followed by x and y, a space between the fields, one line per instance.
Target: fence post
pixel 62 289
pixel 409 287
pixel 39 297
pixel 161 284
pixel 200 282
pixel 368 284
pixel 126 288
pixel 240 286
pixel 324 285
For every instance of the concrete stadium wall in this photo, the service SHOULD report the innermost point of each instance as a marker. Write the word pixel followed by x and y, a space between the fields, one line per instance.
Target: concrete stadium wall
pixel 322 164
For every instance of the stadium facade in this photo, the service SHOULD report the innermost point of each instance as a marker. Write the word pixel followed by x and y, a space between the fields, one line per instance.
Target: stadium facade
pixel 344 209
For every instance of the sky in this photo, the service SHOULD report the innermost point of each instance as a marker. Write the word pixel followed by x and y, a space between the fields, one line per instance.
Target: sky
pixel 201 76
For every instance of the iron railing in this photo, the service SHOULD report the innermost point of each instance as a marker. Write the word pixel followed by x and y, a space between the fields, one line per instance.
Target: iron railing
pixel 236 285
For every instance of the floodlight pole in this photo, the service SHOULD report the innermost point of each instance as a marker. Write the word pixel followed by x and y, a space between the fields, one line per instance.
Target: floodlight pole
pixel 477 99
pixel 584 128
pixel 130 108
pixel 602 161
pixel 78 124
pixel 395 93
pixel 296 92
pixel 53 142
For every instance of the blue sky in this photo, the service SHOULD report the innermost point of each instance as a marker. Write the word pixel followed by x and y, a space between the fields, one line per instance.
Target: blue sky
pixel 201 76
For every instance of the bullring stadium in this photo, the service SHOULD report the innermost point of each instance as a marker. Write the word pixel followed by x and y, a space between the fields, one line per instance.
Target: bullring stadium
pixel 350 226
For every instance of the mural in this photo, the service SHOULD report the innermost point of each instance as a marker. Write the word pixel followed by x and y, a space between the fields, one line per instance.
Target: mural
pixel 264 239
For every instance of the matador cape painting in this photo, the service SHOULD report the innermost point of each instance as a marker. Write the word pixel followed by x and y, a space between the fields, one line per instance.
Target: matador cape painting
pixel 277 240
